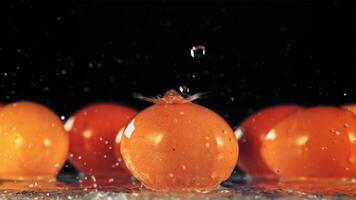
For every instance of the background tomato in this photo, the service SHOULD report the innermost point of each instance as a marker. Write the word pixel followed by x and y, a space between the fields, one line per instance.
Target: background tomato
pixel 318 142
pixel 33 142
pixel 92 133
pixel 251 134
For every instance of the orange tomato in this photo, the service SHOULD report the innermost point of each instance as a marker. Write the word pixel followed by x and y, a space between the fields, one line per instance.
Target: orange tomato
pixel 251 134
pixel 33 142
pixel 318 142
pixel 176 145
pixel 92 133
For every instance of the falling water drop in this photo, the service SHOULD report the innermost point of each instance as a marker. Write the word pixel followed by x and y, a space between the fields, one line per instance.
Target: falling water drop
pixel 198 51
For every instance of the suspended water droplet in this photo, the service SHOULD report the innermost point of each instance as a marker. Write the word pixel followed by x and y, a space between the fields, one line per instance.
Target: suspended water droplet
pixel 198 51
pixel 184 89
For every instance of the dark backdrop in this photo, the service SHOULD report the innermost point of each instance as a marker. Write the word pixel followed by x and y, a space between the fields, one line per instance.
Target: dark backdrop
pixel 68 54
pixel 259 53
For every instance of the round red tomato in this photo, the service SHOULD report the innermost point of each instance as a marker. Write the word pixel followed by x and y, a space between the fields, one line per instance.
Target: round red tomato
pixel 177 145
pixel 33 142
pixel 92 133
pixel 251 134
pixel 318 142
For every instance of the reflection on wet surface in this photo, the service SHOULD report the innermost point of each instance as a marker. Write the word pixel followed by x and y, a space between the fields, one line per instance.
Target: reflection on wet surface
pixel 236 188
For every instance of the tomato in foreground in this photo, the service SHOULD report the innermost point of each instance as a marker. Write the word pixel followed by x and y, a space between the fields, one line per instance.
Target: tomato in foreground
pixel 177 145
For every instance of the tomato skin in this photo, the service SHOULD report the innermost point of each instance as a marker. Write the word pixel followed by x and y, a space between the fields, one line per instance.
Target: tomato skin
pixel 350 107
pixel 251 134
pixel 317 142
pixel 179 147
pixel 92 131
pixel 33 142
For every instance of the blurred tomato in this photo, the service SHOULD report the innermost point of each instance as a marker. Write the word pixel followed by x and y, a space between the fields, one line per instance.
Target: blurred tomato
pixel 92 133
pixel 318 142
pixel 251 134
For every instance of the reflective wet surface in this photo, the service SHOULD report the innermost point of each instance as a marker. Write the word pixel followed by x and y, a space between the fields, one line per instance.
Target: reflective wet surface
pixel 235 188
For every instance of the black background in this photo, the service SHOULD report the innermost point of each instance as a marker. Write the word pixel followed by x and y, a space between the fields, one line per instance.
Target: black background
pixel 72 53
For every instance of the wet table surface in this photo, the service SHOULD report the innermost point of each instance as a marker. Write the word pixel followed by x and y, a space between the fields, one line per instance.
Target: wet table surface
pixel 236 188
